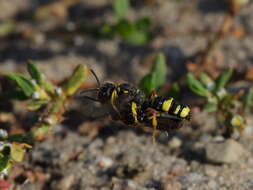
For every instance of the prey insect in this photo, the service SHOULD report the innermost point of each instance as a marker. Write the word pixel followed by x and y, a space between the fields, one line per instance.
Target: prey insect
pixel 130 106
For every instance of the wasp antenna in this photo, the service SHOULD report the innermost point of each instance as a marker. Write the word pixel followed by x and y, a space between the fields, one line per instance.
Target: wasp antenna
pixel 88 90
pixel 96 77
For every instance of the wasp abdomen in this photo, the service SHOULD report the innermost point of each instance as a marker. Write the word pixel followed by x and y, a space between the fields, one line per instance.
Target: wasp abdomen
pixel 170 106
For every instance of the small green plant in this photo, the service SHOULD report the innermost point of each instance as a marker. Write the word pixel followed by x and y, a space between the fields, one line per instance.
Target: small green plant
pixel 135 33
pixel 156 77
pixel 228 107
pixel 42 95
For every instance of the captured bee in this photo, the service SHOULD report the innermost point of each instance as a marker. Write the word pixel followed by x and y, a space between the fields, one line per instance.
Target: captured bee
pixel 148 117
pixel 164 114
pixel 161 121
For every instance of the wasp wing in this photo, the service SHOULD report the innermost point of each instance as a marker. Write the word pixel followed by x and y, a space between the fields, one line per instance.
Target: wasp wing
pixel 166 122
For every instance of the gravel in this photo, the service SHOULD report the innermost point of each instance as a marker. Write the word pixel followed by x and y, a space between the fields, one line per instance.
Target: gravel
pixel 228 151
pixel 121 157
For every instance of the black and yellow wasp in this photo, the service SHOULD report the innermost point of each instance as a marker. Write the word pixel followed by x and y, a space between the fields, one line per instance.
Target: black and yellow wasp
pixel 130 106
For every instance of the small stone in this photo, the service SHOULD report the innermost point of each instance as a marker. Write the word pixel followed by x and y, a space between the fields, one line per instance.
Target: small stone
pixel 175 142
pixel 199 149
pixel 110 48
pixel 211 171
pixel 247 133
pixel 105 162
pixel 218 139
pixel 172 186
pixel 191 178
pixel 212 185
pixel 194 165
pixel 228 151
pixel 66 182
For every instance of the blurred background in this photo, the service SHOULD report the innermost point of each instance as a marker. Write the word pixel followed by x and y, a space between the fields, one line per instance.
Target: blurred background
pixel 118 40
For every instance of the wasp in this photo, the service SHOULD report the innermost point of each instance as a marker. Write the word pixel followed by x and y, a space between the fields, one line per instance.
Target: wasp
pixel 131 107
pixel 117 96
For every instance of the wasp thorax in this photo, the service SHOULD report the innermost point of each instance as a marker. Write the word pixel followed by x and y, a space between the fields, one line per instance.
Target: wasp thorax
pixel 131 91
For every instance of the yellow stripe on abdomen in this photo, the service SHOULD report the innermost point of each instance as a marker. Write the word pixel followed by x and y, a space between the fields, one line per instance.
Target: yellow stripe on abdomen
pixel 167 104
pixel 185 112
pixel 177 109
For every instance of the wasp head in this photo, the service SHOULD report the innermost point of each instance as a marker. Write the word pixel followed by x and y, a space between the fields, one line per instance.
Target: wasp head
pixel 105 92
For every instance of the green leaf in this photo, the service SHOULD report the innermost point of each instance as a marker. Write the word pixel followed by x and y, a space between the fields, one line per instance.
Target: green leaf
pixel 143 24
pixel 75 80
pixel 130 33
pixel 138 38
pixel 196 86
pixel 211 107
pixel 148 83
pixel 248 100
pixel 124 28
pixel 18 151
pixel 3 162
pixel 21 138
pixel 37 75
pixel 160 70
pixel 206 81
pixel 222 79
pixel 121 8
pixel 174 90
pixel 23 83
pixel 7 27
pixel 35 105
pixel 34 72
pixel 157 76
pixel 17 94
pixel 106 30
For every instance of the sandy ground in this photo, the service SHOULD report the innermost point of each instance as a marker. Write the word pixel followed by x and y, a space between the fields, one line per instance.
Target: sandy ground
pixel 85 153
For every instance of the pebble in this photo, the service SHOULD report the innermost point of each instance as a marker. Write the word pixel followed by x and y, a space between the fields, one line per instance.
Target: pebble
pixel 228 151
pixel 248 130
pixel 172 186
pixel 105 162
pixel 199 149
pixel 212 185
pixel 109 48
pixel 175 142
pixel 66 182
pixel 211 171
pixel 218 139
pixel 191 179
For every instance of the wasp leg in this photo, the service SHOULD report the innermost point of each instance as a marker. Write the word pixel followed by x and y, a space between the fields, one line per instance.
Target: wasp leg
pixel 153 119
pixel 154 124
pixel 134 111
